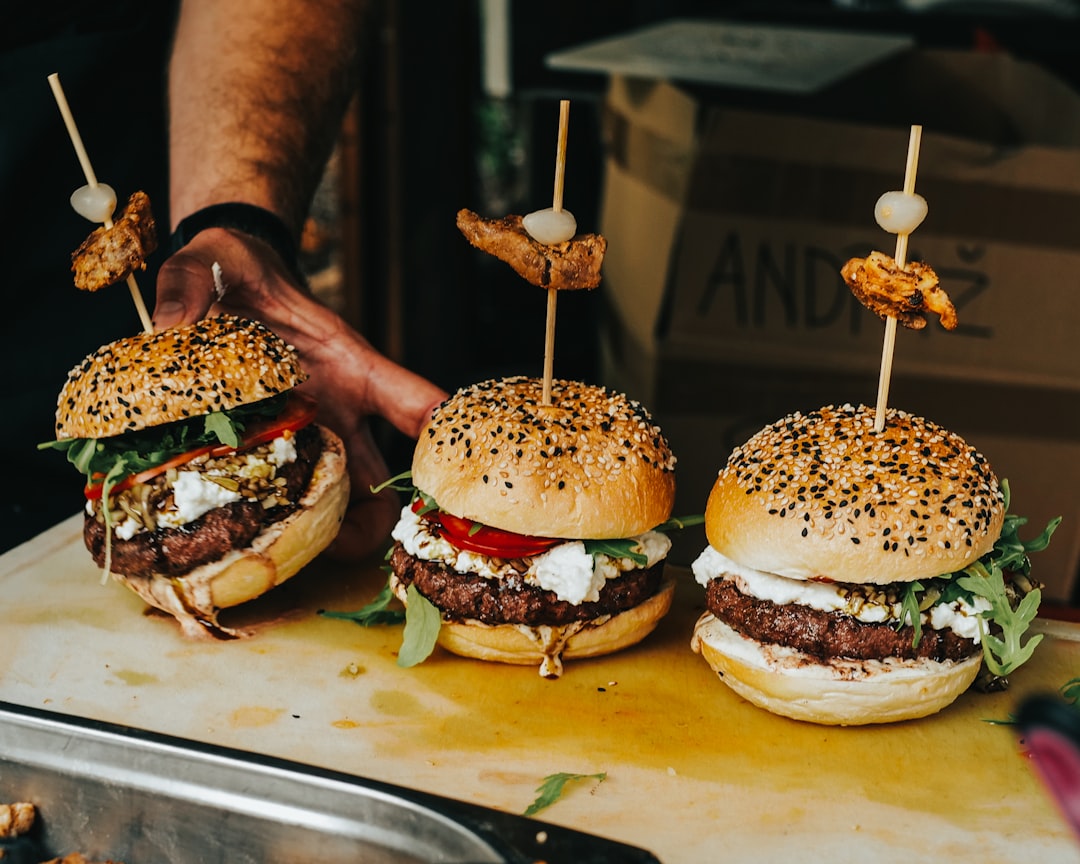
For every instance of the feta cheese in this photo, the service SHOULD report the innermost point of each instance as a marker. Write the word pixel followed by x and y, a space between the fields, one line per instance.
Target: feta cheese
pixel 194 495
pixel 567 569
pixel 959 616
pixel 282 450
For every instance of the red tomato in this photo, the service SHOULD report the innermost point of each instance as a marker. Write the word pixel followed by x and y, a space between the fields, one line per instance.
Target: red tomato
pixel 299 412
pixel 93 490
pixel 483 539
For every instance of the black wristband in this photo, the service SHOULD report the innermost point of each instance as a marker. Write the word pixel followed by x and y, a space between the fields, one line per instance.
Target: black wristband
pixel 256 221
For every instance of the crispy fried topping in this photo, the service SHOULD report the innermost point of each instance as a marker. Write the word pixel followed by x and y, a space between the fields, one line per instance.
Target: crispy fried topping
pixel 16 819
pixel 110 255
pixel 904 294
pixel 569 265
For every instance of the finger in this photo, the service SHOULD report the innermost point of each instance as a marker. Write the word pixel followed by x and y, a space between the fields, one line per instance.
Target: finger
pixel 185 290
pixel 401 396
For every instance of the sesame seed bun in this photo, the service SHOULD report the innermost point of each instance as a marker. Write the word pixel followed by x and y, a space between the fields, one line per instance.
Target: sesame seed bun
pixel 838 693
pixel 592 464
pixel 822 495
pixel 277 553
pixel 546 646
pixel 154 378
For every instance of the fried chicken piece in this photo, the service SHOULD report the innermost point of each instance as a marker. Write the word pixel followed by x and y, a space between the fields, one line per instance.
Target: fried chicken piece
pixel 906 295
pixel 569 265
pixel 110 255
pixel 16 819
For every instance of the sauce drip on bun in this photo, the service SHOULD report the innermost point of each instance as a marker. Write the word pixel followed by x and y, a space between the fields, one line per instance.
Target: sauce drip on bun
pixel 207 480
pixel 532 531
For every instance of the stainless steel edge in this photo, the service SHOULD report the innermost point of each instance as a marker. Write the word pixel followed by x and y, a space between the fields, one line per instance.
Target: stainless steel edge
pixel 142 797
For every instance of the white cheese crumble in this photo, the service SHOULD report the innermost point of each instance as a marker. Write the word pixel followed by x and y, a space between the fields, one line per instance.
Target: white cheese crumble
pixel 282 450
pixel 194 495
pixel 567 569
pixel 958 616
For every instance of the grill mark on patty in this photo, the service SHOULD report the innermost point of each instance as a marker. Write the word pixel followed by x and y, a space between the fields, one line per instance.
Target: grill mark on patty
pixel 825 635
pixel 176 551
pixel 511 600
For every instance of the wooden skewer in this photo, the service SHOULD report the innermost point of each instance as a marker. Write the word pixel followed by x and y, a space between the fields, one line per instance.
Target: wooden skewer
pixel 91 179
pixel 557 206
pixel 889 343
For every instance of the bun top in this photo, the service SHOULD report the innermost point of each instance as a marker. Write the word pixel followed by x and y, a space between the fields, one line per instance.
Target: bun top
pixel 154 378
pixel 591 465
pixel 822 495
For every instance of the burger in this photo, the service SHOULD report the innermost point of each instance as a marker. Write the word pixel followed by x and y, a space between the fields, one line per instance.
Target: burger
pixel 535 531
pixel 207 480
pixel 855 576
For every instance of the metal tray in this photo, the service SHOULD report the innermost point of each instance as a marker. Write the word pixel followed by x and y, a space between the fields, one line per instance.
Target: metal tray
pixel 110 791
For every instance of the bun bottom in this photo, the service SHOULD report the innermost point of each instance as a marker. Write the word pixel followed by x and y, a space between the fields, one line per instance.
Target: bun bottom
pixel 546 646
pixel 842 693
pixel 276 554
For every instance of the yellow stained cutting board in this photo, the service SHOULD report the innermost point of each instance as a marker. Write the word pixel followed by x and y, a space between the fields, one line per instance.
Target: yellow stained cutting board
pixel 694 773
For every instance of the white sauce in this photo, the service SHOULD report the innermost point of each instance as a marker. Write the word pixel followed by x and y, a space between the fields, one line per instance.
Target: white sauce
pixel 958 616
pixel 567 569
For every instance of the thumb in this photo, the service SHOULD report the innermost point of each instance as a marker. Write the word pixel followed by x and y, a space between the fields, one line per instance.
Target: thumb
pixel 185 290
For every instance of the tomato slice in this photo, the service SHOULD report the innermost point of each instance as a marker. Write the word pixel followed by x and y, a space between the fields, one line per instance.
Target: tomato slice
pixel 484 539
pixel 299 411
pixel 93 490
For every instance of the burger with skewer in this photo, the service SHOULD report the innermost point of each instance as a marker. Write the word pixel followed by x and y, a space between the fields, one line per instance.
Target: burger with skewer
pixel 208 481
pixel 862 564
pixel 854 576
pixel 535 531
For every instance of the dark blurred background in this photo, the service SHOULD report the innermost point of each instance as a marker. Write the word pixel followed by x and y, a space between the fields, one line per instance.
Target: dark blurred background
pixel 435 130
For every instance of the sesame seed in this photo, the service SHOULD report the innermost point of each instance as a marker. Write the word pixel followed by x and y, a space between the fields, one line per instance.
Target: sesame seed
pixel 836 475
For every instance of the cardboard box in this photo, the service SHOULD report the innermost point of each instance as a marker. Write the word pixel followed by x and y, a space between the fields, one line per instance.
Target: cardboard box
pixel 727 228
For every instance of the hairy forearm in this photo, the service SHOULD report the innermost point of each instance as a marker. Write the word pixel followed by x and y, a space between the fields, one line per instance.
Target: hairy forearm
pixel 256 91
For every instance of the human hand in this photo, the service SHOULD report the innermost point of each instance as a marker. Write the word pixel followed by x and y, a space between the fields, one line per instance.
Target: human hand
pixel 351 380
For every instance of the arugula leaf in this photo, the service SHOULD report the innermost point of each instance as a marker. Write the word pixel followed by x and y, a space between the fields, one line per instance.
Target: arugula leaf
pixel 910 610
pixel 1005 653
pixel 620 548
pixel 626 547
pixel 222 427
pixel 429 503
pixel 1009 553
pixel 374 613
pixel 677 522
pixel 552 787
pixel 422 623
pixel 143 449
pixel 396 483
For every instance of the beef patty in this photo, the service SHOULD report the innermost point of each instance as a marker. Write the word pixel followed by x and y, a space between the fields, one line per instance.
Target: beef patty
pixel 176 551
pixel 511 600
pixel 825 635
